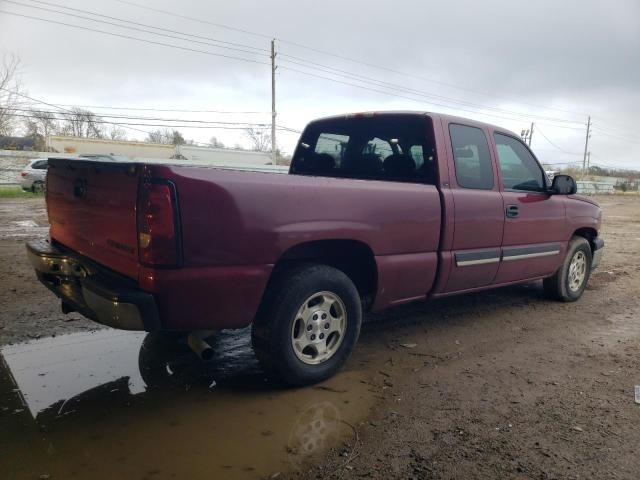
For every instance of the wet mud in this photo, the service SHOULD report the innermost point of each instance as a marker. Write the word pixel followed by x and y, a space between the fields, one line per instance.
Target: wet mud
pixel 111 404
pixel 498 384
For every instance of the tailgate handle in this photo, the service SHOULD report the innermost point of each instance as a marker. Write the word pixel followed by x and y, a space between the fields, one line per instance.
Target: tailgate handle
pixel 512 211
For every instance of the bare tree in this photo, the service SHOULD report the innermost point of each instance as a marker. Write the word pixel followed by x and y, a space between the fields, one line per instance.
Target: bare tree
pixel 215 143
pixel 260 139
pixel 39 125
pixel 117 133
pixel 177 138
pixel 166 137
pixel 156 136
pixel 82 123
pixel 10 88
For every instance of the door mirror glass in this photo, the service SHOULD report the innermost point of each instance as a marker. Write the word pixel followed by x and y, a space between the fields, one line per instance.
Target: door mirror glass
pixel 564 185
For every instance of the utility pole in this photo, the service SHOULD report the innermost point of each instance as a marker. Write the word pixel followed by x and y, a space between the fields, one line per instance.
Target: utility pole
pixel 586 145
pixel 274 159
pixel 588 162
pixel 531 133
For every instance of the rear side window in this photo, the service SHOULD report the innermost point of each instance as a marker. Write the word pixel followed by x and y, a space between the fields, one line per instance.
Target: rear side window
pixel 471 157
pixel 40 165
pixel 519 170
pixel 385 147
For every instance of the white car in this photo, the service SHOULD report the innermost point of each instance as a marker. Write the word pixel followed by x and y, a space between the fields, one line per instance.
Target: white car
pixel 34 175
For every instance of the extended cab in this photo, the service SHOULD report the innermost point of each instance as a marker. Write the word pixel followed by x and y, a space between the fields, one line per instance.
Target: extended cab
pixel 377 209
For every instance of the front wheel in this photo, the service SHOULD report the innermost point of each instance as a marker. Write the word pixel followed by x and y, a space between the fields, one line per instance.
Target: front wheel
pixel 308 324
pixel 569 282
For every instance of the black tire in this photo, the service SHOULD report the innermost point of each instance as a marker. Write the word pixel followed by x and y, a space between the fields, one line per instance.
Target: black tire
pixel 272 329
pixel 558 286
pixel 157 351
pixel 37 187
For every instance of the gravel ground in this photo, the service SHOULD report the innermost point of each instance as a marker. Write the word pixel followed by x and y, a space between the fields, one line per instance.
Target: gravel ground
pixel 500 384
pixel 27 309
pixel 506 384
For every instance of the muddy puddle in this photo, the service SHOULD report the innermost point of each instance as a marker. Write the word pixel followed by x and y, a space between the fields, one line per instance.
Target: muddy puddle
pixel 112 404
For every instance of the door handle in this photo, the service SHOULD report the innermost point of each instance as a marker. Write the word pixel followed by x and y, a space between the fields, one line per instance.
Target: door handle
pixel 512 211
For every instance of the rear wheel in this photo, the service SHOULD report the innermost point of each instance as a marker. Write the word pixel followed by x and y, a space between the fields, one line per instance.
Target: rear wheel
pixel 569 282
pixel 308 324
pixel 37 187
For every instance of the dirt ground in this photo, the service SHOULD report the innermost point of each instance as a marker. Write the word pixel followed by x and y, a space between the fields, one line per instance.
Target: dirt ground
pixel 500 384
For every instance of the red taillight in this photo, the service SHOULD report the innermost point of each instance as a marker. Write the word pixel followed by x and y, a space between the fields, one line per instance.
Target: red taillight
pixel 23 174
pixel 157 225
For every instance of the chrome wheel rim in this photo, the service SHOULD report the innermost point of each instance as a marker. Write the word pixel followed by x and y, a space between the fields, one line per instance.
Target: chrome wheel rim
pixel 577 271
pixel 318 328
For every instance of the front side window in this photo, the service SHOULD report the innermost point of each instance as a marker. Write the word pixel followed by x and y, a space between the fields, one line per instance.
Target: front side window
pixel 471 157
pixel 385 147
pixel 519 170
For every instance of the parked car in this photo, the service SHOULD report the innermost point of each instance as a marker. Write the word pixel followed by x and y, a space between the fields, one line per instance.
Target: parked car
pixel 34 175
pixel 377 210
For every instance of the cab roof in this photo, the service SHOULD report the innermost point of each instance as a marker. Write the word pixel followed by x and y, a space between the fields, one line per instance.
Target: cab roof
pixel 433 115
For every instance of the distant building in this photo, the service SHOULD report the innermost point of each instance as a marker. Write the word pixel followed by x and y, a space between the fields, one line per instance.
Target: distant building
pixel 16 143
pixel 142 150
pixel 79 146
pixel 223 156
pixel 591 188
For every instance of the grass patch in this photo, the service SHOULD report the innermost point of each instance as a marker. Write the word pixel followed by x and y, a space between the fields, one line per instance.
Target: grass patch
pixel 14 191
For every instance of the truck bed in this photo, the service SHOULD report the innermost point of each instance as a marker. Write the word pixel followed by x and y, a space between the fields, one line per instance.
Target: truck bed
pixel 235 225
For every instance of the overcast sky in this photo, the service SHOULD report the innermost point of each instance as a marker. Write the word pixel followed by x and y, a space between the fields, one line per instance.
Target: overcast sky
pixel 553 62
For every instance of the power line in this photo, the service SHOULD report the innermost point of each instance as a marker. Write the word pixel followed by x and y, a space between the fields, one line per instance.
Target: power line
pixel 199 20
pixel 210 127
pixel 104 107
pixel 153 42
pixel 608 165
pixel 130 117
pixel 539 130
pixel 244 45
pixel 313 49
pixel 61 108
pixel 128 27
pixel 418 77
pixel 400 96
pixel 287 129
pixel 421 93
pixel 281 127
pixel 599 131
pixel 615 129
pixel 327 69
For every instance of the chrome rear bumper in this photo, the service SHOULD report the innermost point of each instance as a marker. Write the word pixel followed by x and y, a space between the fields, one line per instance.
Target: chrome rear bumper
pixel 99 295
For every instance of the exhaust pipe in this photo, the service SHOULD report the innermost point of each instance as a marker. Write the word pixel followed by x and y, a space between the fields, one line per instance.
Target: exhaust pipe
pixel 199 346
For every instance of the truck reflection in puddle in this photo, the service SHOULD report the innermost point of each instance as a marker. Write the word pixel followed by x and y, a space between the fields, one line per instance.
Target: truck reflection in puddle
pixel 112 404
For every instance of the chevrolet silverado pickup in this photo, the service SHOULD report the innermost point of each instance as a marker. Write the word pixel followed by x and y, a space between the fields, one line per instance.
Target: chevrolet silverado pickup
pixel 377 209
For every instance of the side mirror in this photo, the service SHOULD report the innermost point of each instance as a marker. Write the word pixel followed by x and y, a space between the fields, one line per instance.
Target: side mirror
pixel 564 185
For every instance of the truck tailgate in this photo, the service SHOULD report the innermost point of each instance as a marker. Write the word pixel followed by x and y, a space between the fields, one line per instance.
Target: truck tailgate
pixel 92 210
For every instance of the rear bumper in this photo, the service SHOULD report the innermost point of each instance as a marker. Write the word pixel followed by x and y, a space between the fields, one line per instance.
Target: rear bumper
pixel 26 183
pixel 598 251
pixel 102 296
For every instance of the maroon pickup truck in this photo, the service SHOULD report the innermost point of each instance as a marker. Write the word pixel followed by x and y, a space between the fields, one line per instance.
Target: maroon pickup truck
pixel 377 209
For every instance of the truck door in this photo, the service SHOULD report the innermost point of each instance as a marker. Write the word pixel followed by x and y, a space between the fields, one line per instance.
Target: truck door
pixel 478 210
pixel 534 240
